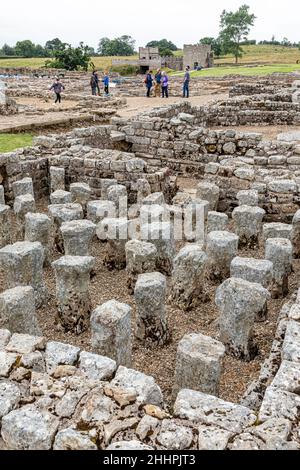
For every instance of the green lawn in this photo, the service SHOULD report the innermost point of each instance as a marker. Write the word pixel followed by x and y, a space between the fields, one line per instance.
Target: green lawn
pixel 259 70
pixel 10 142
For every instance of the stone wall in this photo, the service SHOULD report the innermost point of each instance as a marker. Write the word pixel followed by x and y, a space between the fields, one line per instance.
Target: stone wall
pixel 82 163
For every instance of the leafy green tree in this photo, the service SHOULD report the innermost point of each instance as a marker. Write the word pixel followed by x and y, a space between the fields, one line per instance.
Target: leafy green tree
pixel 214 43
pixel 166 53
pixel 7 50
pixel 54 45
pixel 163 46
pixel 122 46
pixel 25 48
pixel 71 58
pixel 235 28
pixel 39 51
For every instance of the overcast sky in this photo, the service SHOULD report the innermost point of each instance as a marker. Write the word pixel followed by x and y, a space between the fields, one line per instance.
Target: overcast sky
pixel 181 21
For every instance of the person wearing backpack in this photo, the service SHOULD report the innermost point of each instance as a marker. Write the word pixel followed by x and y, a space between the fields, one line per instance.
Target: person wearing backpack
pixel 164 85
pixel 149 82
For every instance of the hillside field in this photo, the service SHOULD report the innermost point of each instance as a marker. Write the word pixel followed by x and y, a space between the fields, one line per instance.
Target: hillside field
pixel 257 60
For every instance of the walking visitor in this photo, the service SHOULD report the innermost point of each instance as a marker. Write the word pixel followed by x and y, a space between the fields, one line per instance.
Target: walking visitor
pixel 57 87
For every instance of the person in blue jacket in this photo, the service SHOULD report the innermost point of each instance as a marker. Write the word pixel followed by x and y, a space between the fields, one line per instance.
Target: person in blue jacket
pixel 149 82
pixel 106 83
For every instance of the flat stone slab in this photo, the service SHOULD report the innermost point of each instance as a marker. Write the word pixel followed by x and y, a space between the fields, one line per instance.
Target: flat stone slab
pixel 289 136
pixel 148 392
pixel 207 409
pixel 25 344
pixel 96 367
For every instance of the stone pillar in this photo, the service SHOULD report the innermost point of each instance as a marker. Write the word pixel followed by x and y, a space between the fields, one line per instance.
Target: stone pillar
pixel 99 210
pixel 140 259
pixel 60 196
pixel 2 197
pixel 216 221
pixel 105 184
pixel 5 225
pixel 111 332
pixel 81 193
pixel 77 236
pixel 38 228
pixel 22 187
pixel 151 323
pixel 280 252
pixel 161 234
pixel 199 364
pixel 295 235
pixel 276 230
pixel 23 266
pixel 188 277
pixel 248 224
pixel 209 192
pixel 17 311
pixel 72 291
pixel 57 178
pixel 115 231
pixel 239 302
pixel 259 271
pixel 117 194
pixel 60 213
pixel 154 198
pixel 22 205
pixel 143 189
pixel 221 248
pixel 248 198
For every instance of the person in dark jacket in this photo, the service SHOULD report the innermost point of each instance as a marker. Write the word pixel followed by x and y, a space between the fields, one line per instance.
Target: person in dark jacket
pixel 106 83
pixel 95 83
pixel 57 87
pixel 186 82
pixel 164 85
pixel 149 82
pixel 157 88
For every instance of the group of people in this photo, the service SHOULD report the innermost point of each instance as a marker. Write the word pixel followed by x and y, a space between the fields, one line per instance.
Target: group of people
pixel 58 87
pixel 95 83
pixel 160 81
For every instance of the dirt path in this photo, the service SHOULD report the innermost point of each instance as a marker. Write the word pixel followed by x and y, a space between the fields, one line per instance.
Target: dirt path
pixel 138 105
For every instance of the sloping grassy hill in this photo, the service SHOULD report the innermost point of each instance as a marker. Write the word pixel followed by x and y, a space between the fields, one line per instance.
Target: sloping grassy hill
pixel 262 59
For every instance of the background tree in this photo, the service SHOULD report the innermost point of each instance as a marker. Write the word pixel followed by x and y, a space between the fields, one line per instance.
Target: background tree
pixel 235 28
pixel 71 58
pixel 214 43
pixel 25 48
pixel 54 45
pixel 7 50
pixel 122 46
pixel 163 46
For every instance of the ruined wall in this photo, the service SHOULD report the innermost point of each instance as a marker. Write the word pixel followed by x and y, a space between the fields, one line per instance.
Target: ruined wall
pixel 197 53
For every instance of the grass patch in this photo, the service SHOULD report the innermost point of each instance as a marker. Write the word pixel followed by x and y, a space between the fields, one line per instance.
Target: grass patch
pixel 259 70
pixel 10 142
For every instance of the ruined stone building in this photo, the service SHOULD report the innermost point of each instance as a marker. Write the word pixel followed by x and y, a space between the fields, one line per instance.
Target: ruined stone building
pixel 197 55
